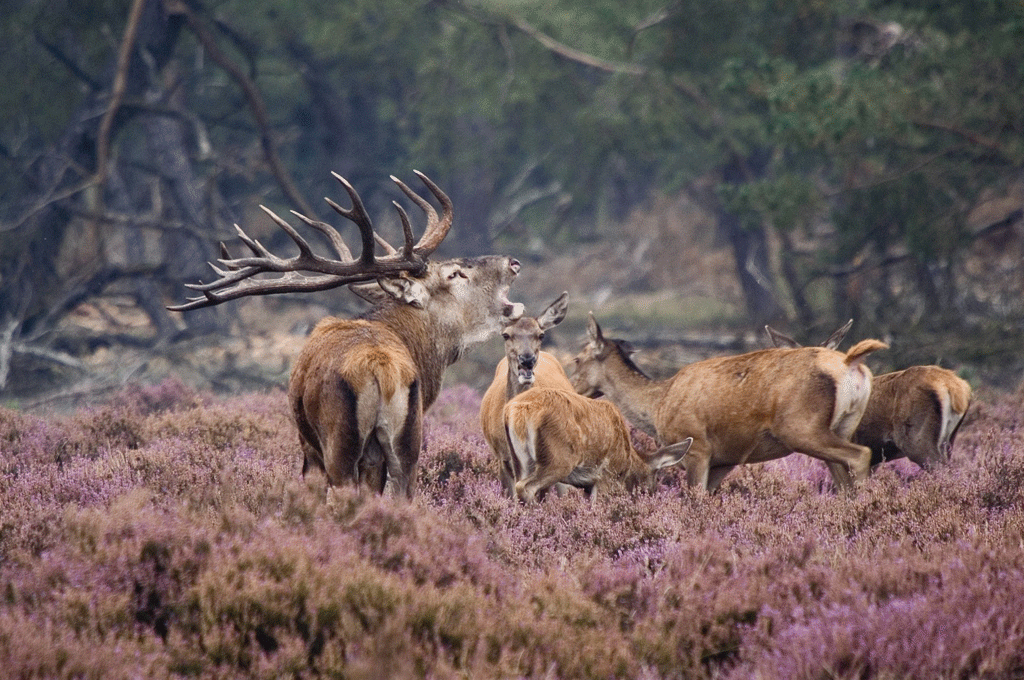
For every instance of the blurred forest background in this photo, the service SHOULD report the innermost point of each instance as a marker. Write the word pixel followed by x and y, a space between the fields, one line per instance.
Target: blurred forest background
pixel 686 169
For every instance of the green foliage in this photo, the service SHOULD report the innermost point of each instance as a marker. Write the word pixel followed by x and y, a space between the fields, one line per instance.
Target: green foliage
pixel 891 142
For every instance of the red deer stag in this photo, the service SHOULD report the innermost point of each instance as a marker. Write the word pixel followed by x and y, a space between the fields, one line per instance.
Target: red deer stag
pixel 914 413
pixel 557 436
pixel 741 409
pixel 359 388
pixel 523 367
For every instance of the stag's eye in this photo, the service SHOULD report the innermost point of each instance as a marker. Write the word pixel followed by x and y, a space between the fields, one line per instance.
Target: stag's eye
pixel 541 337
pixel 506 336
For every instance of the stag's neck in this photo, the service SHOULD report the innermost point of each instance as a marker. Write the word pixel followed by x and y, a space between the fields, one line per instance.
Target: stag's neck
pixel 432 346
pixel 636 395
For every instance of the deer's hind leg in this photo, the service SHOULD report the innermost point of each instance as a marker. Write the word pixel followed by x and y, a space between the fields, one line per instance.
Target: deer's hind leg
pixel 401 437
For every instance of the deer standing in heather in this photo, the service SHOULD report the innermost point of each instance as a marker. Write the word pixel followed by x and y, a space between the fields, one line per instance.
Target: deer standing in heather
pixel 359 388
pixel 914 413
pixel 524 366
pixel 557 436
pixel 741 409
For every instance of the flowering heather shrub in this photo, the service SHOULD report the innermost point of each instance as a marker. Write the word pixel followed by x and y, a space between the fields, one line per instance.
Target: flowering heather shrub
pixel 168 534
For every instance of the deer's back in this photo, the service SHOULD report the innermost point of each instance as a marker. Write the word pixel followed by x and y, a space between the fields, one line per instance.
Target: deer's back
pixel 584 430
pixel 737 398
pixel 354 352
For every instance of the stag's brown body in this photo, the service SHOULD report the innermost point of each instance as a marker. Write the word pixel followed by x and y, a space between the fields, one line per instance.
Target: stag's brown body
pixel 558 436
pixel 523 367
pixel 359 388
pixel 914 413
pixel 742 409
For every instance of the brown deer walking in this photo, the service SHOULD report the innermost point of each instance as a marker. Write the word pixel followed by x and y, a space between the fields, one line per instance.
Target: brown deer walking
pixel 557 436
pixel 360 387
pixel 914 413
pixel 523 367
pixel 741 409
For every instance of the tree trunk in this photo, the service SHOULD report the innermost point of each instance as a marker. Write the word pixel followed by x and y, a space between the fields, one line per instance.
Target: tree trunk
pixel 749 245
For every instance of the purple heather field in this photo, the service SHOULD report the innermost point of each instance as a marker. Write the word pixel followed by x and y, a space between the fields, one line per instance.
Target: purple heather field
pixel 168 534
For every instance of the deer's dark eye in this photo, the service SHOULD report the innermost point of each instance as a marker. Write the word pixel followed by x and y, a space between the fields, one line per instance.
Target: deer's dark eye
pixel 505 336
pixel 541 337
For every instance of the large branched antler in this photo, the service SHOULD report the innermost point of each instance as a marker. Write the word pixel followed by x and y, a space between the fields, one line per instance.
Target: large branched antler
pixel 307 271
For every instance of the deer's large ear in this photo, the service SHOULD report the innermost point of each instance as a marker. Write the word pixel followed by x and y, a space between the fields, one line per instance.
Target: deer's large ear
pixel 371 292
pixel 837 337
pixel 405 289
pixel 553 315
pixel 669 455
pixel 780 339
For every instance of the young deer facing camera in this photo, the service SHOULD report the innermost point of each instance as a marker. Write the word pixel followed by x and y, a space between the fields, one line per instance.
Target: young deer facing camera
pixel 525 366
pixel 557 436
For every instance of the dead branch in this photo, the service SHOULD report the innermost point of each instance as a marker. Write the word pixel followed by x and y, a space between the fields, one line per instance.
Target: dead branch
pixel 7 348
pixel 117 91
pixel 70 64
pixel 970 136
pixel 252 96
pixel 572 54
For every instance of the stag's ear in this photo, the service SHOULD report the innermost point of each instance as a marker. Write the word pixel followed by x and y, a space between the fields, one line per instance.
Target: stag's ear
pixel 405 289
pixel 371 292
pixel 669 455
pixel 627 347
pixel 555 312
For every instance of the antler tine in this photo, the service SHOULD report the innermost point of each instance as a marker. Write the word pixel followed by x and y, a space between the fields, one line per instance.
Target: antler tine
pixel 307 271
pixel 437 228
pixel 358 215
pixel 388 248
pixel 407 252
pixel 330 232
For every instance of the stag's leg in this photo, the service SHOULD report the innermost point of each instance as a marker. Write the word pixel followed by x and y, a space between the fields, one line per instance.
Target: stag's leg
pixel 312 456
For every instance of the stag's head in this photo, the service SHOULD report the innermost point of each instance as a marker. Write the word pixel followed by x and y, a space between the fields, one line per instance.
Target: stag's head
pixel 467 294
pixel 523 339
pixel 643 472
pixel 589 376
pixel 470 294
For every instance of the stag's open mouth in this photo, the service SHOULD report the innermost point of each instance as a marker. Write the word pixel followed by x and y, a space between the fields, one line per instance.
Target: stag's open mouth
pixel 511 310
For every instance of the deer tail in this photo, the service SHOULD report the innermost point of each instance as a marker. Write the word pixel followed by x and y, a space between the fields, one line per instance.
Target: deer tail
pixel 856 354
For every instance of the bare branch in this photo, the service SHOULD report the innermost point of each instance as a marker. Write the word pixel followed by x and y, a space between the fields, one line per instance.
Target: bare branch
pixel 252 96
pixel 573 54
pixel 117 90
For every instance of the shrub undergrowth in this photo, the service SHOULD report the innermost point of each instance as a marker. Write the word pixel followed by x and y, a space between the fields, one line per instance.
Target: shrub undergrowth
pixel 168 534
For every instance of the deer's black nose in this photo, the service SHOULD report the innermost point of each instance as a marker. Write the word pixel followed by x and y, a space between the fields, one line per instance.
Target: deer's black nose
pixel 528 360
